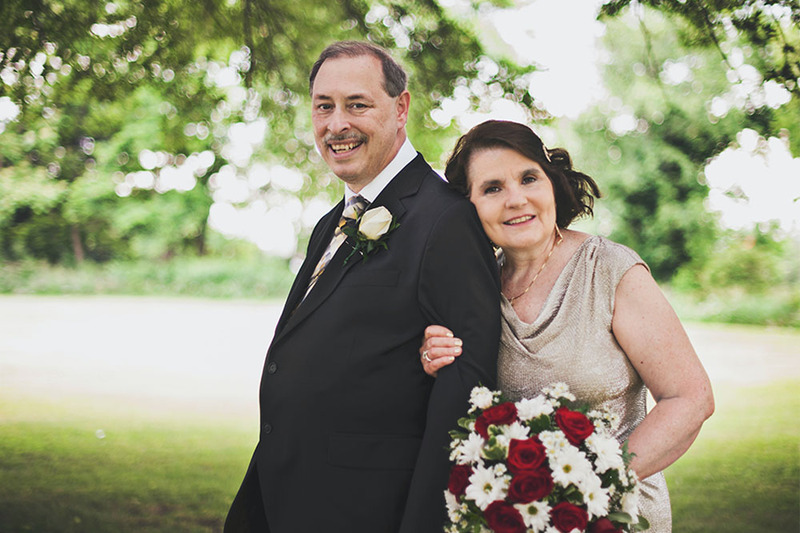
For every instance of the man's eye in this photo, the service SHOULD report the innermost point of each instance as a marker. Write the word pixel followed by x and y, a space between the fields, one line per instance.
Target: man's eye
pixel 491 190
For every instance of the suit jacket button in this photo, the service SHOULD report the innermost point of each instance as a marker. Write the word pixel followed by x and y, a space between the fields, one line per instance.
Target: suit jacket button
pixel 267 428
pixel 272 367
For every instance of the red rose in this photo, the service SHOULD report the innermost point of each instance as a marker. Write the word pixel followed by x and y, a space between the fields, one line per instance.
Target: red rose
pixel 528 454
pixel 505 413
pixel 459 479
pixel 575 425
pixel 502 517
pixel 567 517
pixel 604 525
pixel 530 485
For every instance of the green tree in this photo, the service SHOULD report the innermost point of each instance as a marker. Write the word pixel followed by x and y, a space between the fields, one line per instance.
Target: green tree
pixel 674 103
pixel 108 80
pixel 767 31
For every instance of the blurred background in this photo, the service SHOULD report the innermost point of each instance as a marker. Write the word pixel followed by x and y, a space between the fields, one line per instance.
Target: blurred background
pixel 159 181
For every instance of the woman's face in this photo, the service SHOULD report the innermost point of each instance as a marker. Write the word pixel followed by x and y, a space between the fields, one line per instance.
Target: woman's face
pixel 513 196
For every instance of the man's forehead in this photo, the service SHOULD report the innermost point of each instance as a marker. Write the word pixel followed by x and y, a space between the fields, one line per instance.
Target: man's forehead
pixel 351 75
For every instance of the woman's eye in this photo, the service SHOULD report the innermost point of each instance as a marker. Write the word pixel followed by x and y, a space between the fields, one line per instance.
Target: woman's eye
pixel 491 190
pixel 529 179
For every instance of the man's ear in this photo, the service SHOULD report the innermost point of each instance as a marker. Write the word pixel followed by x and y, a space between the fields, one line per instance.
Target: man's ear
pixel 403 102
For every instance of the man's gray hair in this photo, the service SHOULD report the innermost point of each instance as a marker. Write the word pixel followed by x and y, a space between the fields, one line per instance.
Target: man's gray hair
pixel 394 77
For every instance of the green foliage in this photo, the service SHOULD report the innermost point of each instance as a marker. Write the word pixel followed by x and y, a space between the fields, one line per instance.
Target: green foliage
pixel 766 31
pixel 779 306
pixel 106 81
pixel 771 26
pixel 752 263
pixel 257 277
pixel 649 166
pixel 98 84
pixel 749 278
pixel 650 142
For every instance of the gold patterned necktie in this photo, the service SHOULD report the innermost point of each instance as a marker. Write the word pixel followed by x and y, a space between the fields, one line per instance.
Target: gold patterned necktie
pixel 352 210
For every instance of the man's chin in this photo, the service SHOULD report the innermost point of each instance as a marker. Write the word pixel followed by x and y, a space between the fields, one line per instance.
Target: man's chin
pixel 347 173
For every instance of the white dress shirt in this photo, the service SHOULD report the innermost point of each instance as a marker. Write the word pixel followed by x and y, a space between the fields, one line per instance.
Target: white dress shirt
pixel 404 156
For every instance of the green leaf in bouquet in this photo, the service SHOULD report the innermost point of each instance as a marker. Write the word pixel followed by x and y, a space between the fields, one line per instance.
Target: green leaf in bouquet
pixel 573 495
pixel 620 518
pixel 458 435
pixel 642 524
pixel 493 431
pixel 539 424
pixel 493 451
pixel 627 456
pixel 610 477
pixel 465 422
pixel 476 528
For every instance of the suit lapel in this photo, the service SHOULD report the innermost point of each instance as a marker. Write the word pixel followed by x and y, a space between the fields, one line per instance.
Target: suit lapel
pixel 315 251
pixel 405 184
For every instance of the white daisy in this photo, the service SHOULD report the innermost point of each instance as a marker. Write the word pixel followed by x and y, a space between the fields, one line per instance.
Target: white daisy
pixel 485 486
pixel 455 510
pixel 608 452
pixel 480 398
pixel 570 466
pixel 630 504
pixel 627 476
pixel 536 515
pixel 559 390
pixel 531 408
pixel 595 496
pixel 554 442
pixel 515 430
pixel 469 450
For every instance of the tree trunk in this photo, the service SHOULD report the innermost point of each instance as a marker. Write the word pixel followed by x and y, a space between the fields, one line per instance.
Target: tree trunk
pixel 77 245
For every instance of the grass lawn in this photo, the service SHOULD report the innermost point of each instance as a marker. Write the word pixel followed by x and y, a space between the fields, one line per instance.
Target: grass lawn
pixel 113 471
pixel 743 473
pixel 164 472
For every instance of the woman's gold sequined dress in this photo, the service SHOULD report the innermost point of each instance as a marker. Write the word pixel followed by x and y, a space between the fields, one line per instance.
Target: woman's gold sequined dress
pixel 571 342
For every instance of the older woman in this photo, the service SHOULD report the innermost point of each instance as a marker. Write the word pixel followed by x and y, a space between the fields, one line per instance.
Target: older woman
pixel 577 308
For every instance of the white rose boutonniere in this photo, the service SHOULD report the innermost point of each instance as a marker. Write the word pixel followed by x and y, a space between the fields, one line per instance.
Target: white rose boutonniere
pixel 371 231
pixel 375 223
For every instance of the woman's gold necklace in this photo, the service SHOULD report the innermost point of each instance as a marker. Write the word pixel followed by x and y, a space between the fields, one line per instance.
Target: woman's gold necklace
pixel 553 249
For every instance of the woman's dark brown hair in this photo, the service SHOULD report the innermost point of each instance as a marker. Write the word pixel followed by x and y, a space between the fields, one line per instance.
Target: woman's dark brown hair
pixel 574 191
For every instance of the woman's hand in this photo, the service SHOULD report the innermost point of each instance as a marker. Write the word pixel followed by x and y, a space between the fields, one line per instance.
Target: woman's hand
pixel 439 349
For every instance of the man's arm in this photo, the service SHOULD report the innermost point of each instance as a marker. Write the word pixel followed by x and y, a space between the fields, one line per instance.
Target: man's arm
pixel 459 288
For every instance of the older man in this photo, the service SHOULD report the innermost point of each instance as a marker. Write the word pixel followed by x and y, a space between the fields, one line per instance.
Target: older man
pixel 354 434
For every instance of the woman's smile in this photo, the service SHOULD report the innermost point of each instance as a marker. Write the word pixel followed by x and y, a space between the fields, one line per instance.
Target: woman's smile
pixel 519 220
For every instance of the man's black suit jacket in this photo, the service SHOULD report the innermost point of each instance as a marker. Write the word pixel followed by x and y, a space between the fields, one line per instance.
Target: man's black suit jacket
pixel 354 435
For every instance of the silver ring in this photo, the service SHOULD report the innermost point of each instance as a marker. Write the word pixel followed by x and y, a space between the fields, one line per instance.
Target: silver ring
pixel 425 356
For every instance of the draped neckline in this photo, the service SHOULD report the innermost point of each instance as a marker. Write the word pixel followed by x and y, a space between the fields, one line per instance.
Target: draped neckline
pixel 508 308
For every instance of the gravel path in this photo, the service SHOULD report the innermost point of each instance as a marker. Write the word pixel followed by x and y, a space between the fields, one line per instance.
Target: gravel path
pixel 207 355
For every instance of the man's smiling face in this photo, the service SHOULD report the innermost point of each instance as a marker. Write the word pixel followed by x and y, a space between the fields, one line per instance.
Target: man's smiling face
pixel 358 127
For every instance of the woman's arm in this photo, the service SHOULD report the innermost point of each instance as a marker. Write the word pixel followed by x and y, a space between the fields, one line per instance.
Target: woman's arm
pixel 648 330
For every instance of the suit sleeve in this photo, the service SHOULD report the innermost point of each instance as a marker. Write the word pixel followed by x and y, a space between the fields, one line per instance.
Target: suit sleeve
pixel 460 289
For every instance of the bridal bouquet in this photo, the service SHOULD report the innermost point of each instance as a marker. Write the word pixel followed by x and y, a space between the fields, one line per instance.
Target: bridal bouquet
pixel 543 464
